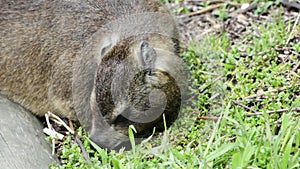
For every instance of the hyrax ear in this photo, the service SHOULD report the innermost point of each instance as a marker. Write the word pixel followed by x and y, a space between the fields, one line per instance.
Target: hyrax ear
pixel 105 46
pixel 107 43
pixel 146 56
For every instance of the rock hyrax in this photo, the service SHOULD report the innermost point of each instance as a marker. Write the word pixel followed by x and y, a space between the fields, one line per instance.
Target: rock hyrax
pixel 107 63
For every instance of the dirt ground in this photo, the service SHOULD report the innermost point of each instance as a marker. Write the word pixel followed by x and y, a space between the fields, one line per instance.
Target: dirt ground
pixel 196 20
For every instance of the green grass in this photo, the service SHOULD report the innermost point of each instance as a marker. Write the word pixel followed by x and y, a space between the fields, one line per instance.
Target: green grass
pixel 236 140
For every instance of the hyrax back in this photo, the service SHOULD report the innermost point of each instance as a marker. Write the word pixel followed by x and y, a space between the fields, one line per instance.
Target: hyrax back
pixel 106 63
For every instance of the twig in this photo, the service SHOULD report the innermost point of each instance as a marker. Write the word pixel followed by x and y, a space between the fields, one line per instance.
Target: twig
pixel 52 134
pixel 245 107
pixel 243 11
pixel 214 96
pixel 220 1
pixel 60 121
pixel 249 8
pixel 266 92
pixel 294 28
pixel 209 118
pixel 208 9
pixel 208 73
pixel 213 82
pixel 296 67
pixel 295 53
pixel 230 139
pixel 84 153
pixel 274 111
pixel 47 121
pixel 71 125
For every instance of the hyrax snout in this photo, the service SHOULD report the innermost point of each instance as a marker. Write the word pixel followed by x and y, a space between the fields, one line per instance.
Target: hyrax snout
pixel 107 63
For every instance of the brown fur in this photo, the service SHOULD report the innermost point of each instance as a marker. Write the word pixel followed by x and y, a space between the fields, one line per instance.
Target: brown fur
pixel 48 51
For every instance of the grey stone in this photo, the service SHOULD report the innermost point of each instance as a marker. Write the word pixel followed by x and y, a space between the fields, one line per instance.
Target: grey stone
pixel 22 142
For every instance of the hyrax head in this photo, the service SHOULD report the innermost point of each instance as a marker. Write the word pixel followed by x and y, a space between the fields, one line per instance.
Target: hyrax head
pixel 133 81
pixel 134 86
